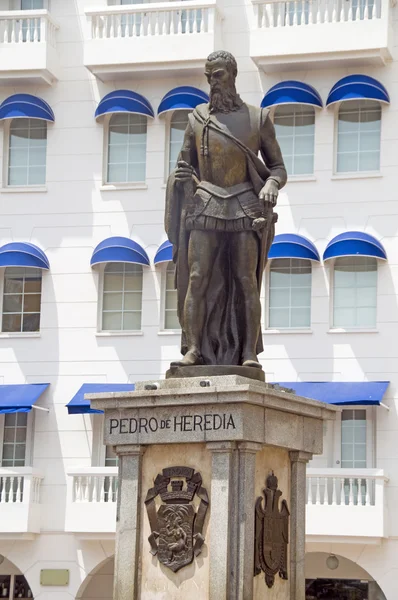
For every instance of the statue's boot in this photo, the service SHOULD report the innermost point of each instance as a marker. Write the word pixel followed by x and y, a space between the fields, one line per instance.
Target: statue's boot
pixel 252 363
pixel 190 359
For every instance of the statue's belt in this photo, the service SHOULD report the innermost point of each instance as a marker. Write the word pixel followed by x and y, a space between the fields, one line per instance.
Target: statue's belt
pixel 227 192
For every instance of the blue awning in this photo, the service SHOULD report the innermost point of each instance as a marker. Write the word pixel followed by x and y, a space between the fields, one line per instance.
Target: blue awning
pixel 292 92
pixel 20 398
pixel 21 106
pixel 164 253
pixel 23 254
pixel 363 393
pixel 358 87
pixel 124 101
pixel 119 249
pixel 184 97
pixel 354 243
pixel 290 245
pixel 78 405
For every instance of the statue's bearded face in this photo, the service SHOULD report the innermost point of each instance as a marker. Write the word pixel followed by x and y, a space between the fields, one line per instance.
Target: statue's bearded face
pixel 223 96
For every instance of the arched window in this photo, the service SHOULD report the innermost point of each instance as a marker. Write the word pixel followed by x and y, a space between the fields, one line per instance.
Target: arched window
pixel 126 148
pixel 122 297
pixel 354 292
pixel 178 124
pixel 170 300
pixel 295 131
pixel 358 136
pixel 21 299
pixel 27 152
pixel 289 293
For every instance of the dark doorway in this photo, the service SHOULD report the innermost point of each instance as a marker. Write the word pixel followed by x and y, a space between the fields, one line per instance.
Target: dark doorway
pixel 336 589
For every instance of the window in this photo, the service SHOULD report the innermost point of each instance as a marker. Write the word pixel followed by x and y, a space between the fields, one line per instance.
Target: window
pixel 122 297
pixel 289 293
pixel 27 152
pixel 358 136
pixel 178 124
pixel 21 299
pixel 126 148
pixel 111 458
pixel 295 130
pixel 14 440
pixel 353 439
pixel 355 291
pixel 32 4
pixel 170 305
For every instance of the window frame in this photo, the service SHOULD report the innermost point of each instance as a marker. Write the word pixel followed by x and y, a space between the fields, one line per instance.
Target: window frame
pixel 29 439
pixel 98 453
pixel 304 176
pixel 39 187
pixel 168 118
pixel 354 174
pixel 371 415
pixel 162 320
pixel 114 332
pixel 265 304
pixel 19 333
pixel 332 328
pixel 128 185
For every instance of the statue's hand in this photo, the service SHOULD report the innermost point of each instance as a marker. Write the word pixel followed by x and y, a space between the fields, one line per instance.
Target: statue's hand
pixel 183 172
pixel 269 193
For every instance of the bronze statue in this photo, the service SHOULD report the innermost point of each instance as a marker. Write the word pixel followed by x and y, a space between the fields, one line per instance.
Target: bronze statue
pixel 220 220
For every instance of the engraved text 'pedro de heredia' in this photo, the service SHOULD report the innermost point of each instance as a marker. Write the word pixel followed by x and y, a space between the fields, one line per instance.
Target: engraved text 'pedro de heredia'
pixel 183 423
pixel 176 527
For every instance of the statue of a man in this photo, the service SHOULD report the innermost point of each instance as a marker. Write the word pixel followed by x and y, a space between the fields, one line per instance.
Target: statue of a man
pixel 220 221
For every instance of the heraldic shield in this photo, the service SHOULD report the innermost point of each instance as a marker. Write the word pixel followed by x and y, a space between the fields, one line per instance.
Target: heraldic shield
pixel 176 527
pixel 271 533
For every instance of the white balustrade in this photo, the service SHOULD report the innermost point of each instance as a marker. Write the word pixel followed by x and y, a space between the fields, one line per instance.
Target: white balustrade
pixel 159 19
pixel 19 486
pixel 276 13
pixel 27 27
pixel 344 487
pixel 94 485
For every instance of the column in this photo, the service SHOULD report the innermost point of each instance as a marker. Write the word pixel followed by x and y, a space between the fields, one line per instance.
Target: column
pixel 221 504
pixel 128 523
pixel 298 461
pixel 245 502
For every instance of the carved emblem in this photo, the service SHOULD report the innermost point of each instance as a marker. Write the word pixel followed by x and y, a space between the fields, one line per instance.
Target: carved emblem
pixel 176 527
pixel 271 533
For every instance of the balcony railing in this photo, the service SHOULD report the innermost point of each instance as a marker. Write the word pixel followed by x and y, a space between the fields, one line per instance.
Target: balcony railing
pixel 28 46
pixel 20 500
pixel 168 18
pixel 346 503
pixel 158 36
pixel 27 27
pixel 91 500
pixel 303 32
pixel 315 12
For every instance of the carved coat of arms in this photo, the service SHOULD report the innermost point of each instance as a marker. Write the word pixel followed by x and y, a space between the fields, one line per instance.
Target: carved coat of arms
pixel 176 525
pixel 271 533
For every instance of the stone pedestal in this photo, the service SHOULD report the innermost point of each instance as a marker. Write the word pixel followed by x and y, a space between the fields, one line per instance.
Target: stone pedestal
pixel 234 432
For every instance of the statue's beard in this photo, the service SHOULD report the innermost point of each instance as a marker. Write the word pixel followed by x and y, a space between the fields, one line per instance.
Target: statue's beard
pixel 224 100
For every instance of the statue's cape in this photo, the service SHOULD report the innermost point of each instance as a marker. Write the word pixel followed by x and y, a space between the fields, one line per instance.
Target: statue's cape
pixel 222 344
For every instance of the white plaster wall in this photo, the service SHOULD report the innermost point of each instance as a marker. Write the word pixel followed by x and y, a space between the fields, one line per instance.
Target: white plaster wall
pixel 74 215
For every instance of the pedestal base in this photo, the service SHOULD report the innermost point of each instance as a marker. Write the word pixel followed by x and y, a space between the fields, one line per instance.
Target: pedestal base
pixel 228 436
pixel 208 371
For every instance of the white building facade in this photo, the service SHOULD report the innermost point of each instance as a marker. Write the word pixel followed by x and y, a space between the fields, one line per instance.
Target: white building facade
pixel 94 100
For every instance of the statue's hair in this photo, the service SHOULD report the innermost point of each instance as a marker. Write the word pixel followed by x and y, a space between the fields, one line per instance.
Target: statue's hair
pixel 227 57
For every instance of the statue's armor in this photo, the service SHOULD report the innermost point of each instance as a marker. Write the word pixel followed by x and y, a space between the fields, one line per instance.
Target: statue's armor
pixel 229 203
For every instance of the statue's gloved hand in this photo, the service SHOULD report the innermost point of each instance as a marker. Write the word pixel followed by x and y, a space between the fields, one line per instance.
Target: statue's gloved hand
pixel 269 193
pixel 184 172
